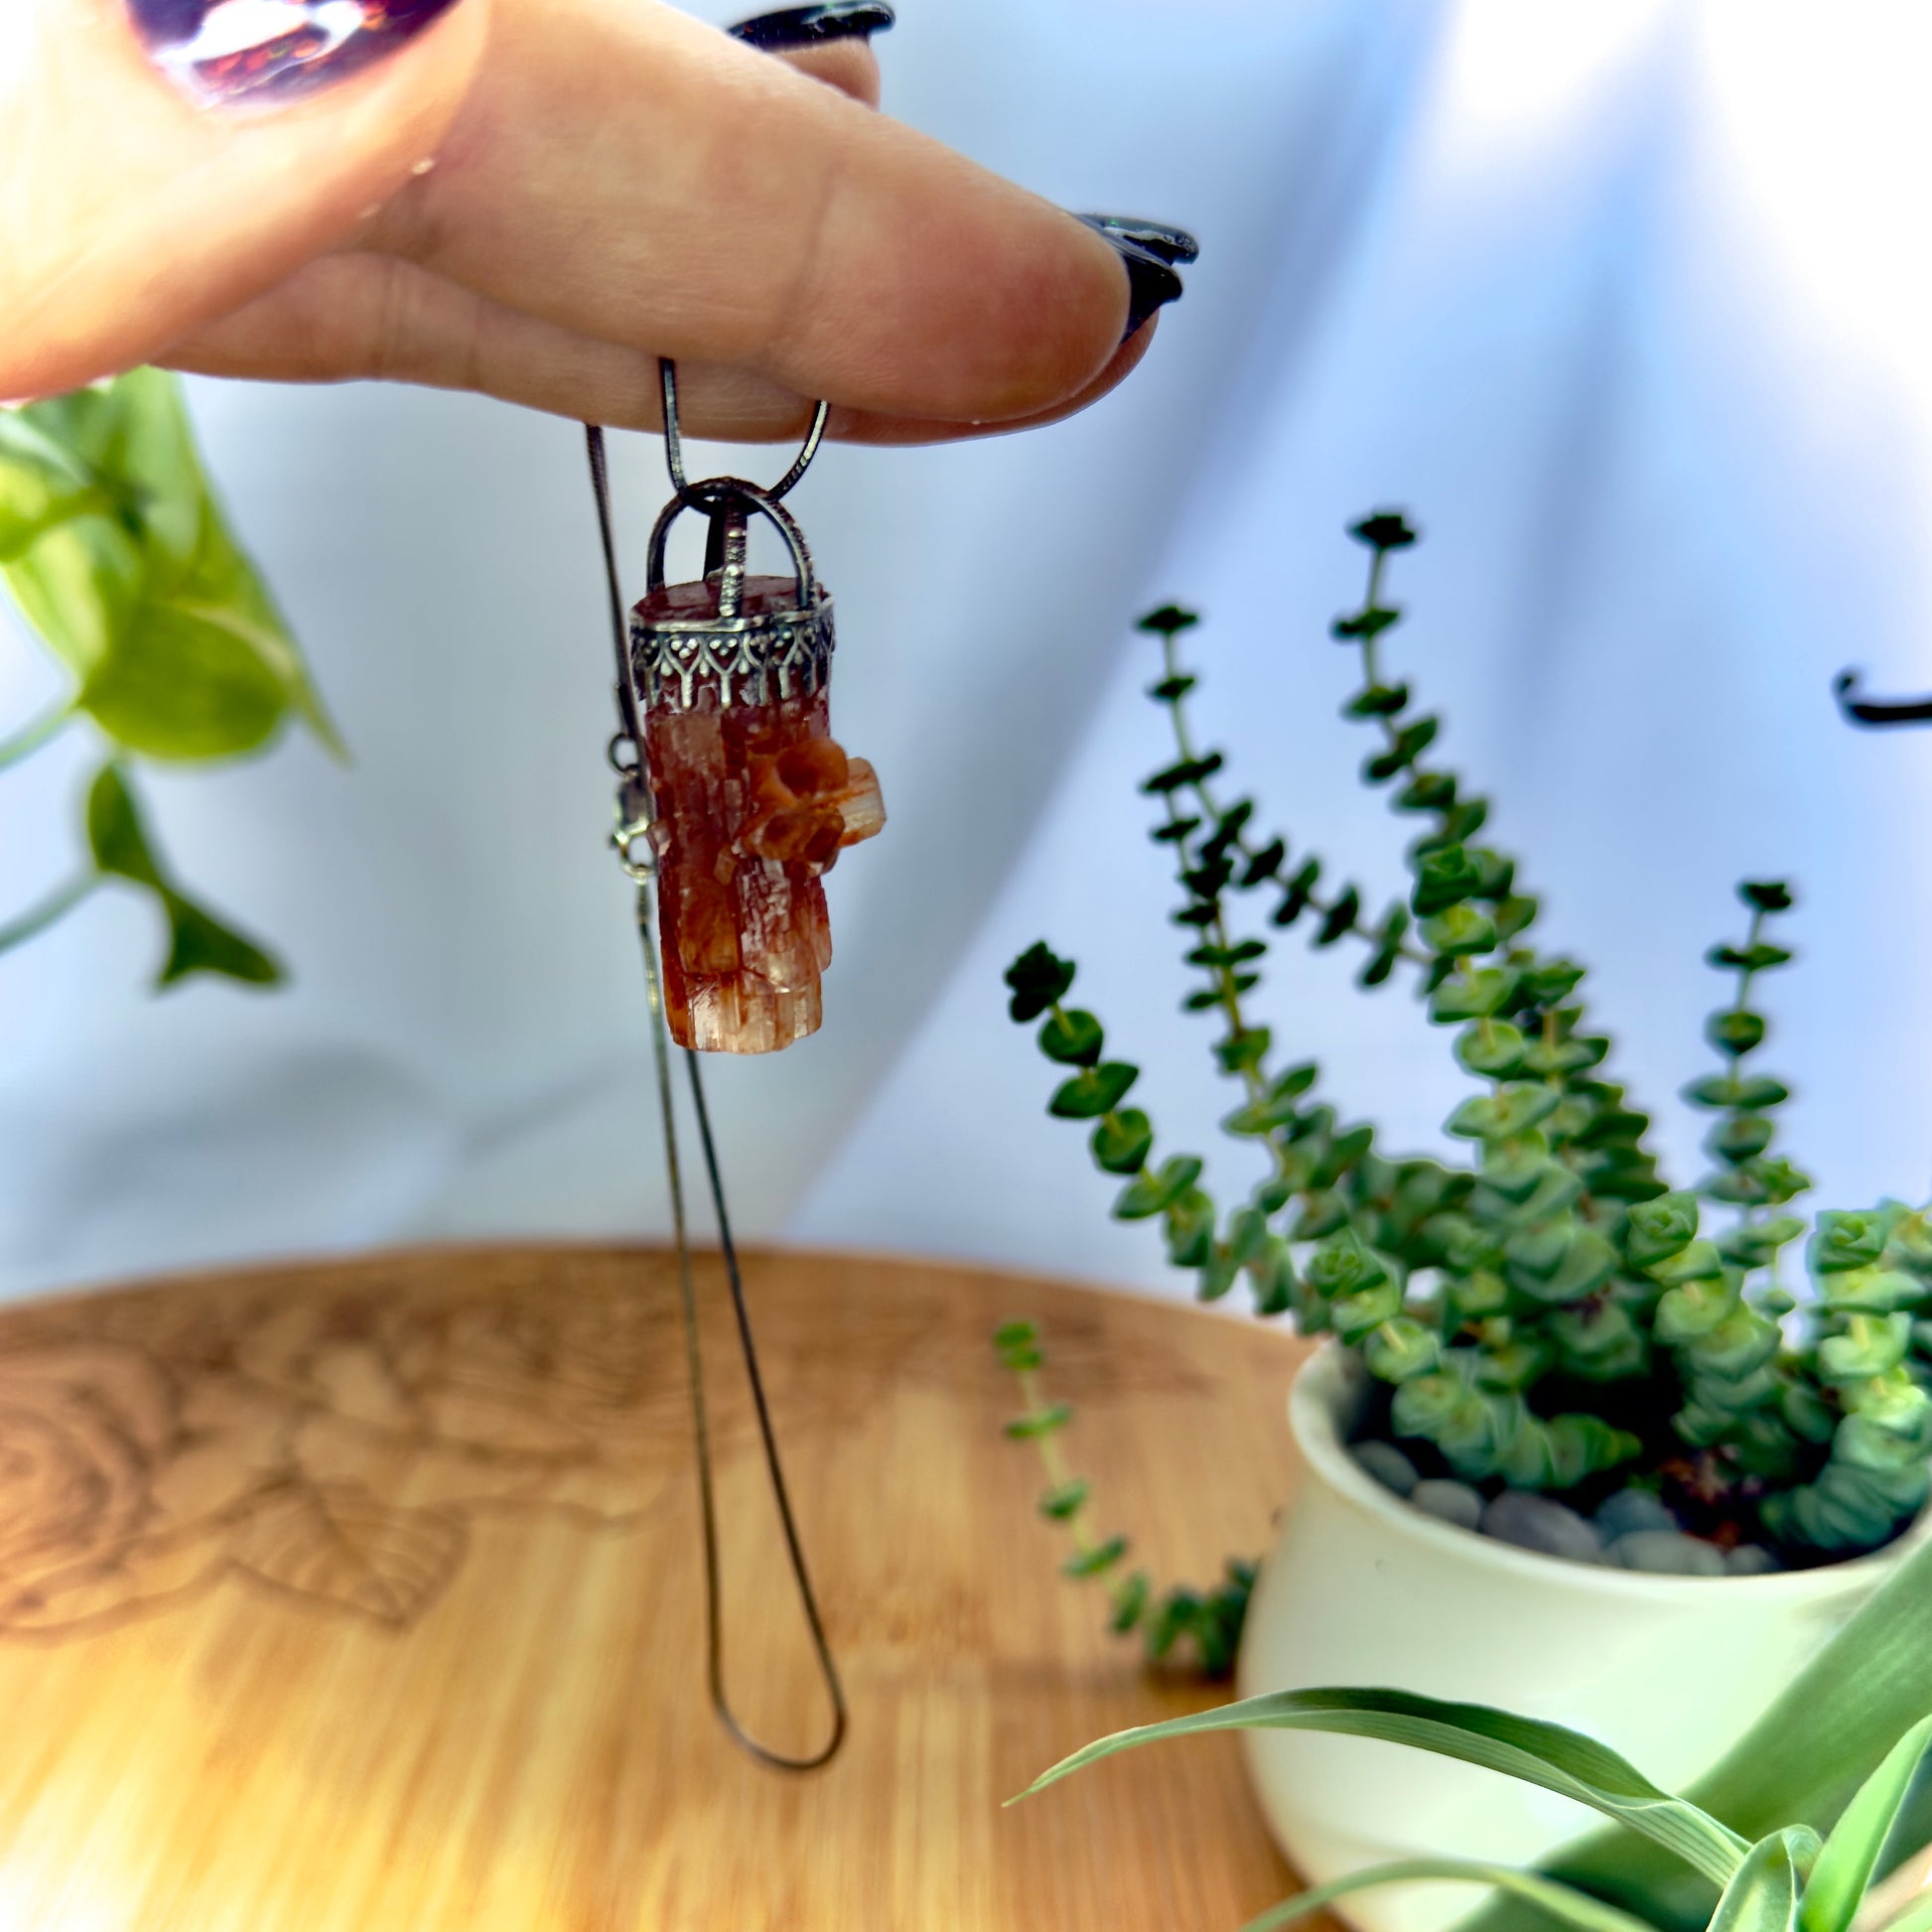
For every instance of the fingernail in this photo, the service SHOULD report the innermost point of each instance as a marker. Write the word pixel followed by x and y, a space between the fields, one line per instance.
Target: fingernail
pixel 221 51
pixel 814 26
pixel 1150 249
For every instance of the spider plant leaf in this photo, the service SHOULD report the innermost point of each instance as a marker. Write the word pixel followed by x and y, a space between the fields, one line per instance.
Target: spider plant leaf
pixel 1546 1754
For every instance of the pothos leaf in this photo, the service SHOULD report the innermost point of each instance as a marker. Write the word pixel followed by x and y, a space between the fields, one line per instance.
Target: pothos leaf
pixel 175 643
pixel 198 942
pixel 41 486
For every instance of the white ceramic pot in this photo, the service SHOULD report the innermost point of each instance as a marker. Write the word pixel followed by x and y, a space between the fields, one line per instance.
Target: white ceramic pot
pixel 1362 1589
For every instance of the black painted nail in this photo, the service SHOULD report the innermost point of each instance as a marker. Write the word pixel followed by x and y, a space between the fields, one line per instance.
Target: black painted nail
pixel 223 51
pixel 814 26
pixel 1150 250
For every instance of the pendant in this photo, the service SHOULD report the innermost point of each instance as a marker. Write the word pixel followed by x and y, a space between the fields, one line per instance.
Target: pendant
pixel 751 798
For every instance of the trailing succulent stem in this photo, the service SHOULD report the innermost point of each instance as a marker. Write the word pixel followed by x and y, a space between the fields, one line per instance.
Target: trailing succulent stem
pixel 1203 1624
pixel 1545 1314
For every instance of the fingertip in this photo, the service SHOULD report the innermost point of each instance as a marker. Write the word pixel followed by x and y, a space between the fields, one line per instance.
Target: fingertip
pixel 850 66
pixel 198 206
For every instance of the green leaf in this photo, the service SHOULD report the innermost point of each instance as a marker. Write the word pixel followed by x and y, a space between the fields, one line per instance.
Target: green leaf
pixel 1747 959
pixel 1407 745
pixel 1342 1265
pixel 1425 791
pixel 1093 1090
pixel 1568 1906
pixel 1130 1601
pixel 1185 771
pixel 1170 688
pixel 1545 1754
pixel 1042 1422
pixel 198 942
pixel 1844 1867
pixel 1460 931
pixel 1017 1344
pixel 1191 1230
pixel 1073 1037
pixel 1736 1032
pixel 1365 624
pixel 42 484
pixel 1065 1499
pixel 1264 865
pixel 1384 530
pixel 1122 1141
pixel 1168 621
pixel 1376 701
pixel 1039 978
pixel 1244 1049
pixel 1473 995
pixel 1299 890
pixel 1801 1761
pixel 1659 1229
pixel 1493 1048
pixel 1339 918
pixel 1504 1115
pixel 178 647
pixel 1091 1562
pixel 1741 1093
pixel 1844 1241
pixel 1444 877
pixel 1763 1896
pixel 1766 895
pixel 1155 1194
pixel 1739 1138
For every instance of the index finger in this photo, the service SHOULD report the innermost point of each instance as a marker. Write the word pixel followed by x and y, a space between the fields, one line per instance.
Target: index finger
pixel 633 176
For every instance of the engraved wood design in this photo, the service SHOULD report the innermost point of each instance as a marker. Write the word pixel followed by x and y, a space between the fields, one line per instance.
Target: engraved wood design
pixel 366 1595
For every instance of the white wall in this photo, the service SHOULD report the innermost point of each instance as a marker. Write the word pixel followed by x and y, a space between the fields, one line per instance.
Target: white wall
pixel 1630 314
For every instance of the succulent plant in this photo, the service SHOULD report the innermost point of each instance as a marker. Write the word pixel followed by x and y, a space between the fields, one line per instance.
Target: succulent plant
pixel 1548 1314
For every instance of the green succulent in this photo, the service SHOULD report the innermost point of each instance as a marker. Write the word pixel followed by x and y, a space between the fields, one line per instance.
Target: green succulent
pixel 1545 1312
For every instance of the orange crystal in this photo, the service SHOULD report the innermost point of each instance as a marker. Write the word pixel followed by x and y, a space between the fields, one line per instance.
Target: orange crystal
pixel 752 804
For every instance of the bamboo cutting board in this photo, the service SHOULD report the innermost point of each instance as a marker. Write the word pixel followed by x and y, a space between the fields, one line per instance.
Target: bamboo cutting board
pixel 366 1597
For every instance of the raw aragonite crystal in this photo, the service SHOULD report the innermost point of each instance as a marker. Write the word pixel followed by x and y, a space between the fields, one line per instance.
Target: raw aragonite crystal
pixel 753 800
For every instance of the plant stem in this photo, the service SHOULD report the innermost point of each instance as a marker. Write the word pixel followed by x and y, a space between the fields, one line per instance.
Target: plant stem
pixel 55 906
pixel 42 731
pixel 1055 1464
pixel 1184 744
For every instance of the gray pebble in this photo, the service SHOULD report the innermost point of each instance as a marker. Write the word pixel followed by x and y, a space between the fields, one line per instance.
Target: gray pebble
pixel 1387 1464
pixel 1533 1522
pixel 1751 1559
pixel 1452 1502
pixel 1668 1553
pixel 1630 1510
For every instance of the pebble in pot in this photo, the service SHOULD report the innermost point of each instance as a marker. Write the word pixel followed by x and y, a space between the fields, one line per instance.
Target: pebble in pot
pixel 1751 1559
pixel 1449 1502
pixel 1669 1552
pixel 1536 1523
pixel 1387 1464
pixel 1630 1510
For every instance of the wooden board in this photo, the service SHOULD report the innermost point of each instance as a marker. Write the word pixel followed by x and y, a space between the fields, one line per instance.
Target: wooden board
pixel 365 1598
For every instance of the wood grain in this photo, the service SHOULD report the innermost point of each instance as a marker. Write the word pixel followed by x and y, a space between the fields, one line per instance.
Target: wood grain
pixel 367 1596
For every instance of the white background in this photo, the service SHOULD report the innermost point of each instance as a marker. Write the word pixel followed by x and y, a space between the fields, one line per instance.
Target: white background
pixel 1626 305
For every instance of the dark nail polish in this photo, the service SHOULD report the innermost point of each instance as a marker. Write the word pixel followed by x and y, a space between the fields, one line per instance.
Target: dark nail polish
pixel 221 51
pixel 814 26
pixel 1150 250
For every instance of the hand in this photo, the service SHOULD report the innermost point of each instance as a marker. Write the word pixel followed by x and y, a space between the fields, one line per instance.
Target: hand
pixel 536 199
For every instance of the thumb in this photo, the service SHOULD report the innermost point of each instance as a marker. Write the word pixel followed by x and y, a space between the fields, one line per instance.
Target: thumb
pixel 169 160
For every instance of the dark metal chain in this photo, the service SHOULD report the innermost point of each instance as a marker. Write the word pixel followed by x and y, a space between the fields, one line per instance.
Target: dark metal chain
pixel 630 740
